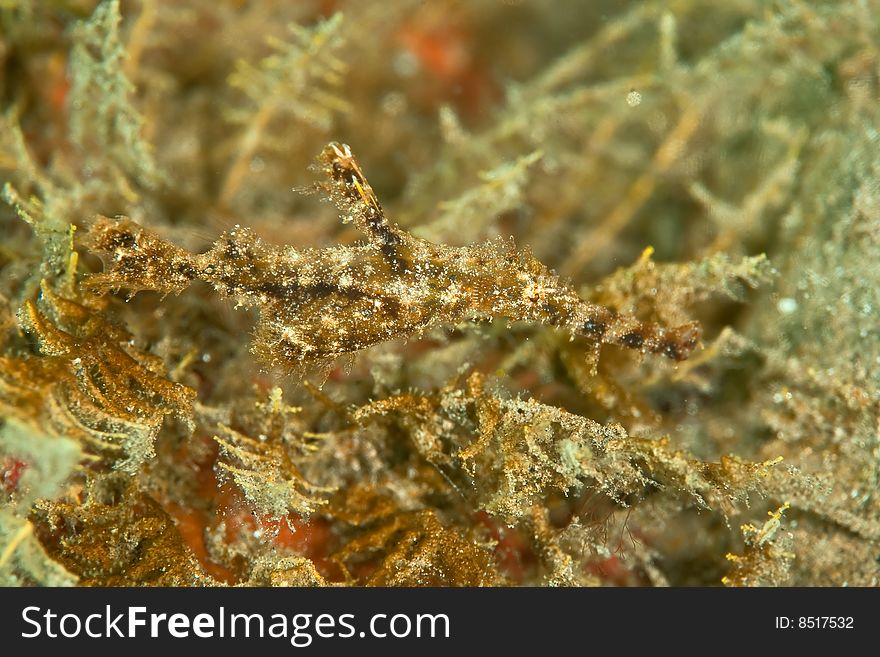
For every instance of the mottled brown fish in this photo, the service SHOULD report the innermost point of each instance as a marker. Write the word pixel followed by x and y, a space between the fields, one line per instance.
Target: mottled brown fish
pixel 317 304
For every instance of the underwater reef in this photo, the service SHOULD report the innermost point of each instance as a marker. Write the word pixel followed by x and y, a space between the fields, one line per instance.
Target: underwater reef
pixel 449 293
